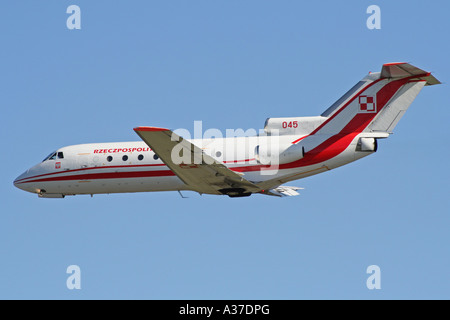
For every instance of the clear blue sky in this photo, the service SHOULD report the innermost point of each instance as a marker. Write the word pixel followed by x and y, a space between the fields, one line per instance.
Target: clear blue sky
pixel 230 64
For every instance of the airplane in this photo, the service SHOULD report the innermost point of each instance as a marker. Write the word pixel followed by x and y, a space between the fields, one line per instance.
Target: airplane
pixel 287 149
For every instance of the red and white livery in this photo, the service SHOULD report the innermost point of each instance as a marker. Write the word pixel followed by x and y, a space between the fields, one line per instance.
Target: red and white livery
pixel 345 132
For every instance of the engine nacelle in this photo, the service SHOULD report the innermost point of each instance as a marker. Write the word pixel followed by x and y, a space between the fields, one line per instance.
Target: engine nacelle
pixel 279 155
pixel 367 145
pixel 293 126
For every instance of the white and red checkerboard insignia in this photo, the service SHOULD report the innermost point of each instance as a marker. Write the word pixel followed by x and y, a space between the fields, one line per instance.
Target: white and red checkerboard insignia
pixel 367 104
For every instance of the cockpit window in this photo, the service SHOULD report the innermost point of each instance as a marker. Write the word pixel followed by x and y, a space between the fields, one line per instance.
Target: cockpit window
pixel 60 155
pixel 51 156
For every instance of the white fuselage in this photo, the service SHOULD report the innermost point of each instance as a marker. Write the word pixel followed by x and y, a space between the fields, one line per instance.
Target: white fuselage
pixel 288 148
pixel 132 167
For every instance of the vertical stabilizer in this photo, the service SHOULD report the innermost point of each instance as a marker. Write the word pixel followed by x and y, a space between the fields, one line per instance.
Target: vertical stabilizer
pixel 377 102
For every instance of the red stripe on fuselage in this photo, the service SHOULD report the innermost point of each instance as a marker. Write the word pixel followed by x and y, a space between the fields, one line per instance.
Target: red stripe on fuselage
pixel 345 106
pixel 109 175
pixel 90 168
pixel 407 79
pixel 325 151
pixel 96 175
pixel 339 111
pixel 339 142
pixel 236 161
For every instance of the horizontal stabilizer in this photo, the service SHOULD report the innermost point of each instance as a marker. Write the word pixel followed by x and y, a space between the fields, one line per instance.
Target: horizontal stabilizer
pixel 403 69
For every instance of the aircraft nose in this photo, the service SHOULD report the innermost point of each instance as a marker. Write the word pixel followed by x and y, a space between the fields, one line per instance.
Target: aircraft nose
pixel 17 181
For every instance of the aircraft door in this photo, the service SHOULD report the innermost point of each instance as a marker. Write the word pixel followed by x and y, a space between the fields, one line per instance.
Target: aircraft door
pixel 83 160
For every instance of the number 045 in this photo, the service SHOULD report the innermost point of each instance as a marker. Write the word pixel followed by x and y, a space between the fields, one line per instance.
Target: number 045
pixel 290 124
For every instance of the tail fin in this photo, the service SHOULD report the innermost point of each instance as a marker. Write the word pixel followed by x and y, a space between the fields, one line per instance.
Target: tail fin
pixel 391 114
pixel 376 103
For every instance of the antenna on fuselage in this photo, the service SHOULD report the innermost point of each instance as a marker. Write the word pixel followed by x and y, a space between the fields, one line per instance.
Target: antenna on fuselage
pixel 182 195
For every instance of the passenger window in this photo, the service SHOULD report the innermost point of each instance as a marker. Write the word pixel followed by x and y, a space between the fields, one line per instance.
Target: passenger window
pixel 125 158
pixel 140 157
pixel 60 155
pixel 109 159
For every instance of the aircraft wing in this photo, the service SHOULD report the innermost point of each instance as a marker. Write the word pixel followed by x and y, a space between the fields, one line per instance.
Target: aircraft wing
pixel 198 170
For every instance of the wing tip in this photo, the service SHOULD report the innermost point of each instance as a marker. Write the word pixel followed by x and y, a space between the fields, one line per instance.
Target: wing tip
pixel 137 129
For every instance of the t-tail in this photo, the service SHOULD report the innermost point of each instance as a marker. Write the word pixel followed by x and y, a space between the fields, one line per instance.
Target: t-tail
pixel 377 103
